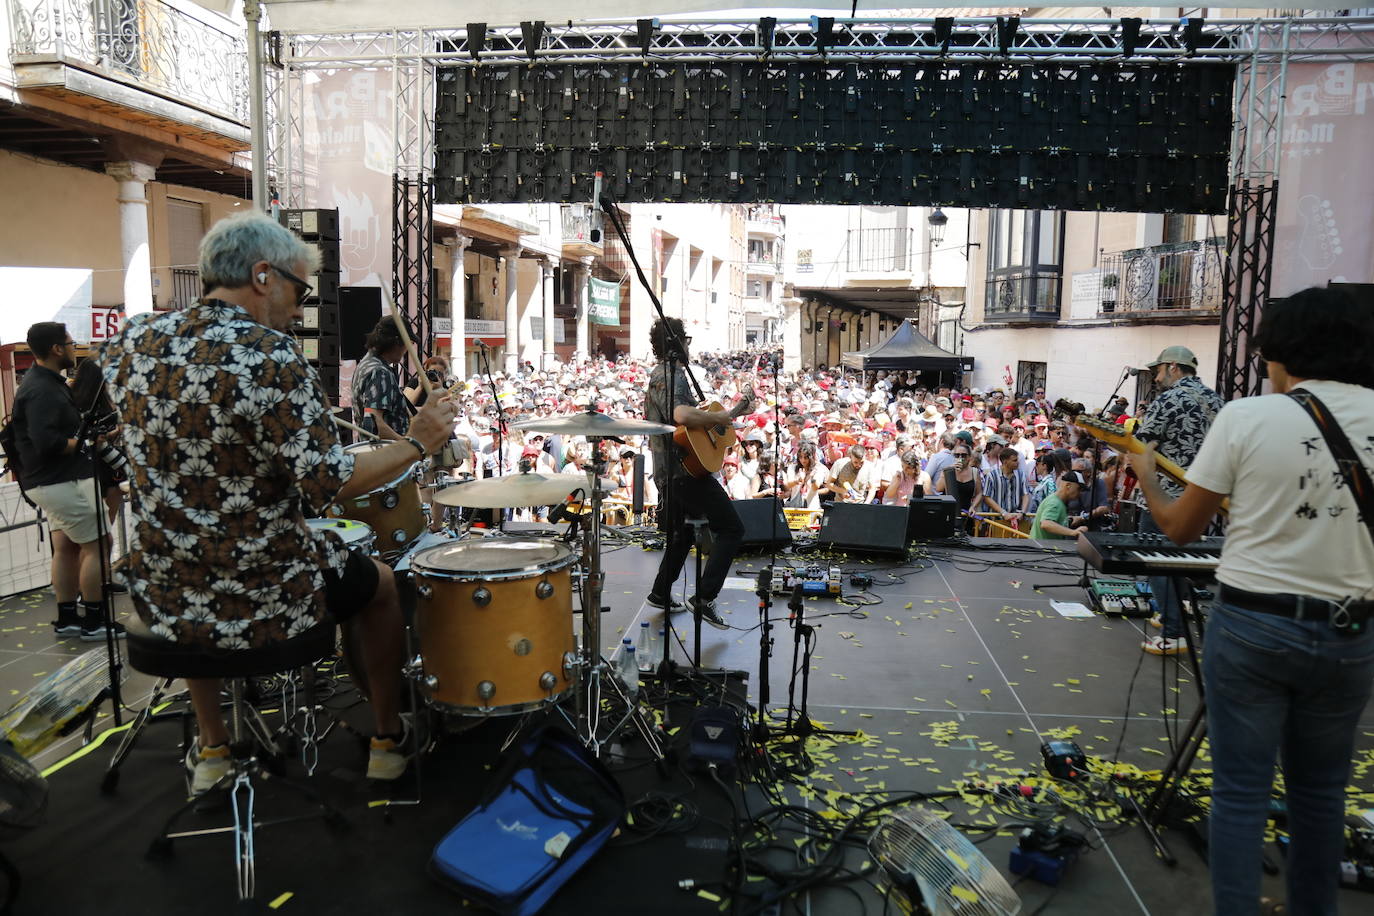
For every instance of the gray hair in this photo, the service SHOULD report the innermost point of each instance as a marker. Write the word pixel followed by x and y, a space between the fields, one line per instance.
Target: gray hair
pixel 234 244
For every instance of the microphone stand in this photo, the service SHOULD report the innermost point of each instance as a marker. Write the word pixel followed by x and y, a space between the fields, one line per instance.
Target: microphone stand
pixel 115 660
pixel 1115 391
pixel 798 720
pixel 765 584
pixel 485 352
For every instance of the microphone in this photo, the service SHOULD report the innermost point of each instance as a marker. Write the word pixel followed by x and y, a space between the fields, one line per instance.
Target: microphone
pixel 563 510
pixel 480 342
pixel 765 582
pixel 795 605
pixel 1134 372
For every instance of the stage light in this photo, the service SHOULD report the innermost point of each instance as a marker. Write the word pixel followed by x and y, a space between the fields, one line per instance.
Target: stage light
pixel 645 29
pixel 1130 36
pixel 937 221
pixel 1006 33
pixel 766 26
pixel 533 33
pixel 824 27
pixel 477 39
pixel 1192 34
pixel 944 28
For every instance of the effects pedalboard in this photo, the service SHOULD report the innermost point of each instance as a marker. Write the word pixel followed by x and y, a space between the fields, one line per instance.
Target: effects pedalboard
pixel 814 579
pixel 1121 597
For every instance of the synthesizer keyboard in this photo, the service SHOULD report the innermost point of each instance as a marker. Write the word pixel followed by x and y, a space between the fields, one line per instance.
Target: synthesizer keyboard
pixel 1149 554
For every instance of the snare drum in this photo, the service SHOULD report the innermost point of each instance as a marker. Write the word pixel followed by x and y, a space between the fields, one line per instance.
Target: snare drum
pixel 355 535
pixel 495 621
pixel 393 509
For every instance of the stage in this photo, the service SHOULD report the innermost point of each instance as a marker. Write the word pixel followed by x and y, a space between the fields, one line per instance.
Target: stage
pixel 955 676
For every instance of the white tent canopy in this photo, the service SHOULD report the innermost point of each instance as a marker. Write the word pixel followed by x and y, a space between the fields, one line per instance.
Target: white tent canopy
pixel 325 16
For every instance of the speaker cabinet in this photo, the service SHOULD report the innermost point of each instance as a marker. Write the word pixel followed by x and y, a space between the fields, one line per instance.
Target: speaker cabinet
pixel 865 528
pixel 765 524
pixel 360 308
pixel 934 516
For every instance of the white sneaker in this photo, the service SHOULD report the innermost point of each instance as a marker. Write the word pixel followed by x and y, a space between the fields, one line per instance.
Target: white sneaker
pixel 207 766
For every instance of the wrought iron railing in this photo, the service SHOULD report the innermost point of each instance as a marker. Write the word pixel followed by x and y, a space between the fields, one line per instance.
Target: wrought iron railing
pixel 1163 278
pixel 185 286
pixel 879 250
pixel 148 42
pixel 1034 296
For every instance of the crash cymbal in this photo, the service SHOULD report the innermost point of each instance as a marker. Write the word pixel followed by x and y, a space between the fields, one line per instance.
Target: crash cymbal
pixel 531 489
pixel 592 423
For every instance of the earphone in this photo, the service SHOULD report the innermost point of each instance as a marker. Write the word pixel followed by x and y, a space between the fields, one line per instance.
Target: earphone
pixel 262 277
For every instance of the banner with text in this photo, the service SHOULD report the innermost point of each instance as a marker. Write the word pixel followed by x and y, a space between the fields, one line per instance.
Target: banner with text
pixel 603 302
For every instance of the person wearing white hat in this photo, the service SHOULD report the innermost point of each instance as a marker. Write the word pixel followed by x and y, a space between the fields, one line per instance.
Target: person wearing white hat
pixel 1176 423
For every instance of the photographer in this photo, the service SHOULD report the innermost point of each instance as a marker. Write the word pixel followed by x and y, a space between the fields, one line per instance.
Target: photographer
pixel 57 477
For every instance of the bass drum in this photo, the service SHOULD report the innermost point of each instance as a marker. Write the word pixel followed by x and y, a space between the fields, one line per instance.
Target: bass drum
pixel 393 509
pixel 495 621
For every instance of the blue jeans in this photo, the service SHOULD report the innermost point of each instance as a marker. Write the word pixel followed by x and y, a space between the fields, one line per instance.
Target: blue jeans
pixel 1291 687
pixel 1164 596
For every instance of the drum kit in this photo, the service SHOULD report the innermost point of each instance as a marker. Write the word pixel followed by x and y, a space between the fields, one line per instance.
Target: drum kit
pixel 494 615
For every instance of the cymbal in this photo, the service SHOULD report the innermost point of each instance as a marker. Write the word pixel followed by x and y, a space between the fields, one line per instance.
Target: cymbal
pixel 531 489
pixel 593 423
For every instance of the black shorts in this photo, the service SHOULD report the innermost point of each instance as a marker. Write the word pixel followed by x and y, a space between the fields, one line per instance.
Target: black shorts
pixel 347 593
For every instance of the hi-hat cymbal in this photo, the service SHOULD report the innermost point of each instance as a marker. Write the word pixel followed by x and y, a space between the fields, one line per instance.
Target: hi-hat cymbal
pixel 593 423
pixel 531 489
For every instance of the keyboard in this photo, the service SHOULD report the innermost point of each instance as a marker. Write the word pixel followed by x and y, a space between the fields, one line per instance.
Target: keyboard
pixel 1148 554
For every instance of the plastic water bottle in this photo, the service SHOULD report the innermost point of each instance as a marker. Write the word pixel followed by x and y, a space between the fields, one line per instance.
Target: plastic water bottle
pixel 647 653
pixel 631 673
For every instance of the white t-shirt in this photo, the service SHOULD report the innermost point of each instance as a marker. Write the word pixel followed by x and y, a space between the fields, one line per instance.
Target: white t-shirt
pixel 1294 525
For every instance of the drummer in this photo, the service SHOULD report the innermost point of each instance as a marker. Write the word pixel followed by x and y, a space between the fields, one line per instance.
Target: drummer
pixel 231 446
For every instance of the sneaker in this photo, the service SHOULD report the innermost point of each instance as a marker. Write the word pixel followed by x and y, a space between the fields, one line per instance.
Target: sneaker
pixel 672 607
pixel 1157 621
pixel 67 626
pixel 387 758
pixel 706 610
pixel 207 766
pixel 95 632
pixel 1159 645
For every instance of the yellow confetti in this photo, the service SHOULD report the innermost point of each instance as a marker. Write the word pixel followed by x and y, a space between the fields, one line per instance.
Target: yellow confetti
pixel 282 898
pixel 707 895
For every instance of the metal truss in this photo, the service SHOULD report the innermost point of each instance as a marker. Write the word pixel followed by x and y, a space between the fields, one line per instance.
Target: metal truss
pixel 412 256
pixel 1005 40
pixel 1249 263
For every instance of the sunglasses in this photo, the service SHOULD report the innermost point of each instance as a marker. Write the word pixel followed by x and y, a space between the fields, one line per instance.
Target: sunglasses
pixel 305 289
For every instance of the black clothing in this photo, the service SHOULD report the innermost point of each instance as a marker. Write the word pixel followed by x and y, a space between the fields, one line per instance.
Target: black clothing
pixel 45 417
pixel 691 496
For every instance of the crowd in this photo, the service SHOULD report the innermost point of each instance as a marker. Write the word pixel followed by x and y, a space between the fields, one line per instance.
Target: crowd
pixel 813 437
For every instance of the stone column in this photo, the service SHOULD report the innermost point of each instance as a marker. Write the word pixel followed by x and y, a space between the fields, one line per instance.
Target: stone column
pixel 548 357
pixel 512 259
pixel 458 300
pixel 133 177
pixel 583 272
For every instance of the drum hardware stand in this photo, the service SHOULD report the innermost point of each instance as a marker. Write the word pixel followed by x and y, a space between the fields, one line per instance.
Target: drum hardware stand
pixel 699 529
pixel 587 689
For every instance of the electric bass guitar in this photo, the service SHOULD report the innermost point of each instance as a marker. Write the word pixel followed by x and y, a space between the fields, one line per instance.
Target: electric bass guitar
pixel 703 450
pixel 1115 436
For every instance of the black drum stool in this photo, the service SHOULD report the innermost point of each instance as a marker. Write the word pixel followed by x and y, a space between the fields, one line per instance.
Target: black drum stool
pixel 165 659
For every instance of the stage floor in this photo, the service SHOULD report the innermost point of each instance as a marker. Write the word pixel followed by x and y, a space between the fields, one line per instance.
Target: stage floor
pixel 958 673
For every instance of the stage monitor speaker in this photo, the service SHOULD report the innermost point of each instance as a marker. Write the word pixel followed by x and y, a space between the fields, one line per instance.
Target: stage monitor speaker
pixel 865 528
pixel 765 524
pixel 360 308
pixel 1362 293
pixel 934 516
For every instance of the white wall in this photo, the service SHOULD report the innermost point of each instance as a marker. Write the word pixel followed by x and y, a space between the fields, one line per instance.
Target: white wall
pixel 1085 363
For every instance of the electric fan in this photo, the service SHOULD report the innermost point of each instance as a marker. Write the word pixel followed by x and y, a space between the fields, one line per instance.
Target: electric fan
pixel 938 868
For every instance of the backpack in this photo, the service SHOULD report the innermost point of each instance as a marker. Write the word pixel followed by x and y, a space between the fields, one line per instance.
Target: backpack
pixel 9 442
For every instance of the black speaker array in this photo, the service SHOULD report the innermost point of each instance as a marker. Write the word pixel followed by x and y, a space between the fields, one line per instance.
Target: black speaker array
pixel 1149 138
pixel 319 332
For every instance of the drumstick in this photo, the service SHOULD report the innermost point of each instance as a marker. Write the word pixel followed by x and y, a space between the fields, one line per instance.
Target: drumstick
pixel 358 429
pixel 409 344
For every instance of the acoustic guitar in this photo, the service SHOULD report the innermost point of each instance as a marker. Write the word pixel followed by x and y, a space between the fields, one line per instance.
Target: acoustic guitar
pixel 703 450
pixel 1115 436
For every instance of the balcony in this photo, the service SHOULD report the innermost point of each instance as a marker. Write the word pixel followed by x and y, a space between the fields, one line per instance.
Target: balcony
pixel 763 224
pixel 577 231
pixel 1182 280
pixel 145 60
pixel 1032 298
pixel 880 255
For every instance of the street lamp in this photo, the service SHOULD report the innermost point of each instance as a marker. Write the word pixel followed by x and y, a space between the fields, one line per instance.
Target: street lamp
pixel 937 222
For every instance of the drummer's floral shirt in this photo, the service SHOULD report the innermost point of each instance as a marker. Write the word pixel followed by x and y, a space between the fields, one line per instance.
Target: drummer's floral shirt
pixel 231 446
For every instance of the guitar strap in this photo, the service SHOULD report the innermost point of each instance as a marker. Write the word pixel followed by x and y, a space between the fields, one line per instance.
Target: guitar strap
pixel 1347 459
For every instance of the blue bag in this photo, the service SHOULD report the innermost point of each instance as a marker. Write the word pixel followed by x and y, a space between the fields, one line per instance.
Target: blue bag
pixel 551 809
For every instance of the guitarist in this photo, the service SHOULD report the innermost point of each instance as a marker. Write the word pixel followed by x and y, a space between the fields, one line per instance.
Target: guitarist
pixel 1176 423
pixel 684 494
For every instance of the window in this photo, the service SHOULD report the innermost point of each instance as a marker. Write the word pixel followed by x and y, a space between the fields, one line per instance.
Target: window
pixel 1029 377
pixel 1025 262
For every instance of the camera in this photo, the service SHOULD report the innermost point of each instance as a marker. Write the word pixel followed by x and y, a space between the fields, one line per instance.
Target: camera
pixel 1069 409
pixel 113 458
